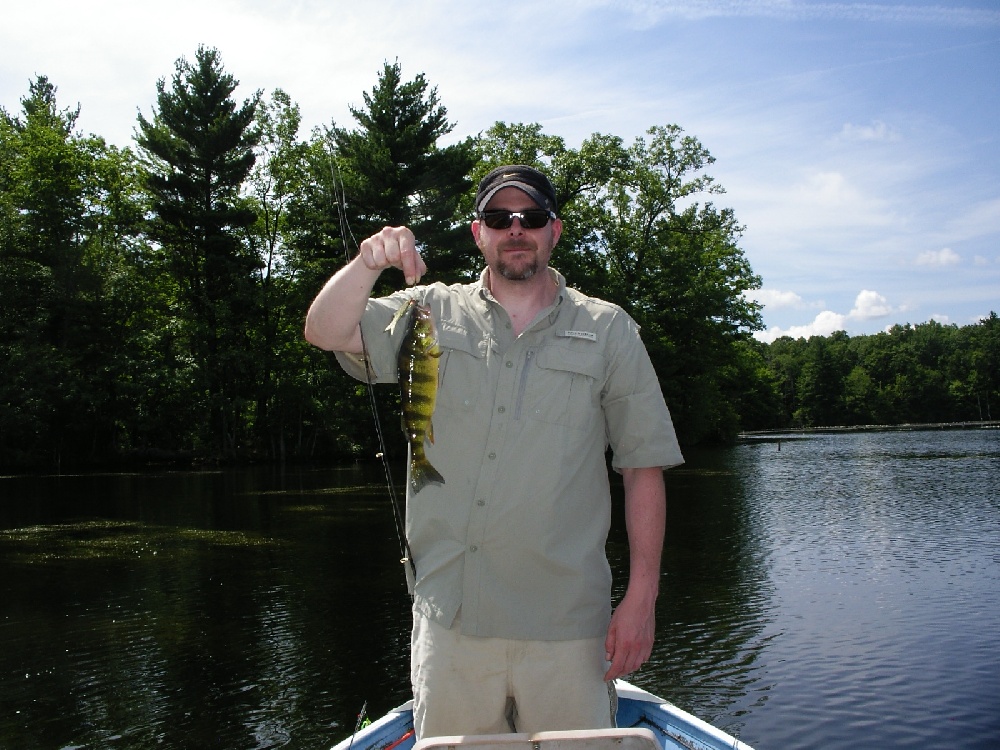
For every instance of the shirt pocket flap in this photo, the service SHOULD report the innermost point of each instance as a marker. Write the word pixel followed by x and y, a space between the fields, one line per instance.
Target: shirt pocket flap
pixel 457 338
pixel 572 361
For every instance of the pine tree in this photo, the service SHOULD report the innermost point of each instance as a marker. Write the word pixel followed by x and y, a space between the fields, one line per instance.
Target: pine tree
pixel 199 151
pixel 395 174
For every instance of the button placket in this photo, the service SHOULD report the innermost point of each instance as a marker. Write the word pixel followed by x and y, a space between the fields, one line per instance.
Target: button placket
pixel 476 552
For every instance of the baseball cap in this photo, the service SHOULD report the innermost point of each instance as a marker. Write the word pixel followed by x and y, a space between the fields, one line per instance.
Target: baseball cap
pixel 525 178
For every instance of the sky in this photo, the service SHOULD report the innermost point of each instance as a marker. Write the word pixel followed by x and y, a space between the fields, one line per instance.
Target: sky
pixel 858 142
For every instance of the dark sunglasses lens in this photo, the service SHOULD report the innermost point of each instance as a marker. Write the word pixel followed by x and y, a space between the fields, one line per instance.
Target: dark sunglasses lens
pixel 534 218
pixel 498 219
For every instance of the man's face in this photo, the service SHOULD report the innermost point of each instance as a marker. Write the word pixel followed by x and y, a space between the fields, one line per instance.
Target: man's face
pixel 515 253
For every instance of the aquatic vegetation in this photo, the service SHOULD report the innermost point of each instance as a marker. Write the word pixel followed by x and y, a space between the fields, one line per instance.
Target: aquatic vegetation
pixel 116 540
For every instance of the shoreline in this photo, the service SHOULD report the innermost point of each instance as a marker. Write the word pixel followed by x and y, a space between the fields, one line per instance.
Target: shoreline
pixel 907 427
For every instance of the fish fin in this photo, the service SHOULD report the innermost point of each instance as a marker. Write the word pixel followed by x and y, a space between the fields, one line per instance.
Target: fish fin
pixel 430 431
pixel 423 474
pixel 403 308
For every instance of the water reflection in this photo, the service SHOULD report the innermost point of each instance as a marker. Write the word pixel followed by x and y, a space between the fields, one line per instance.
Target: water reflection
pixel 885 567
pixel 227 609
pixel 712 612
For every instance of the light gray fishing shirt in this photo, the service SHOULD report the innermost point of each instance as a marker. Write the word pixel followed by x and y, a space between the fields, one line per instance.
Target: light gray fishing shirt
pixel 516 535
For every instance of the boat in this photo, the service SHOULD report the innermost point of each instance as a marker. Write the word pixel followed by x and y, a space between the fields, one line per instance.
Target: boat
pixel 645 722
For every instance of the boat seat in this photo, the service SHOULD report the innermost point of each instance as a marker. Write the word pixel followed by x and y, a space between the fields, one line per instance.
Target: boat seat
pixel 580 739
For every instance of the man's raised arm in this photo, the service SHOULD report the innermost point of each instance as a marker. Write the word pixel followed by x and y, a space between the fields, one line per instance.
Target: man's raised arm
pixel 334 318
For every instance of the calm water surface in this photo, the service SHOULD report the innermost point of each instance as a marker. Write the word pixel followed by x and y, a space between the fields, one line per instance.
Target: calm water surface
pixel 834 591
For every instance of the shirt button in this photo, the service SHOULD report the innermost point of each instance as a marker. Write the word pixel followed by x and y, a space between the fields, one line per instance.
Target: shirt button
pixel 473 548
pixel 509 363
pixel 492 456
pixel 501 410
pixel 480 503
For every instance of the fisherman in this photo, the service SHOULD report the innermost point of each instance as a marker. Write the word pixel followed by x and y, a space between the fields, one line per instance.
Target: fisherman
pixel 513 628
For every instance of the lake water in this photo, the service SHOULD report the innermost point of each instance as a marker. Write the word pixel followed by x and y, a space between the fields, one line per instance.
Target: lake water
pixel 822 591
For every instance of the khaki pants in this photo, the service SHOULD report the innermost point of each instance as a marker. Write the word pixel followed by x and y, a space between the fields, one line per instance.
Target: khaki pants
pixel 469 685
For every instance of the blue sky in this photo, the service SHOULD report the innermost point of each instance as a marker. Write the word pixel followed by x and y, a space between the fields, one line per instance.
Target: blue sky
pixel 857 142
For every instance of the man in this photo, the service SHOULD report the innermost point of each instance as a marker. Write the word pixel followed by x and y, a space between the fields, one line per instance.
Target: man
pixel 513 627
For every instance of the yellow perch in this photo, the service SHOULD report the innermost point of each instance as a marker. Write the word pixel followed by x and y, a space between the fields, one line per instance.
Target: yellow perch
pixel 418 382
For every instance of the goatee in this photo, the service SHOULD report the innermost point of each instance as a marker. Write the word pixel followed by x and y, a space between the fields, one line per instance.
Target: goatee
pixel 520 273
pixel 516 271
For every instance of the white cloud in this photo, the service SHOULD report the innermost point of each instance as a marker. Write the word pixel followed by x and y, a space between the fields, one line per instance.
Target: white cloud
pixel 877 131
pixel 833 199
pixel 869 305
pixel 940 14
pixel 939 258
pixel 823 325
pixel 821 203
pixel 829 190
pixel 776 298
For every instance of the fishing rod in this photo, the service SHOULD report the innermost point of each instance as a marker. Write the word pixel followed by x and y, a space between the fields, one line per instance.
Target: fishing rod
pixel 339 201
pixel 359 723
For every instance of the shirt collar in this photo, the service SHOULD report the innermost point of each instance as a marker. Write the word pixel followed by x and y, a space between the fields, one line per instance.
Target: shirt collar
pixel 486 296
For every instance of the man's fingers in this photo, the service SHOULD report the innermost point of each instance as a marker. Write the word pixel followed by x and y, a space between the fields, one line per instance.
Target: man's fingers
pixel 394 247
pixel 410 261
pixel 624 656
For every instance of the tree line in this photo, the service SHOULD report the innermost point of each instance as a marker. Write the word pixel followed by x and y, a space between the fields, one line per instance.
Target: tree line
pixel 152 297
pixel 922 374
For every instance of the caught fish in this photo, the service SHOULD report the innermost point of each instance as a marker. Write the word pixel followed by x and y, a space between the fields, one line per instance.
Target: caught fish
pixel 418 380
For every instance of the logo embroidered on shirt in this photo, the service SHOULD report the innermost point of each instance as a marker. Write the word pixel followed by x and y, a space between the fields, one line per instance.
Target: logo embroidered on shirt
pixel 589 335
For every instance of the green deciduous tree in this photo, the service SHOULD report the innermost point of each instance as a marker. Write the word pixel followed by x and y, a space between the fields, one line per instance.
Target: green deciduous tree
pixel 910 374
pixel 291 190
pixel 272 184
pixel 69 217
pixel 686 273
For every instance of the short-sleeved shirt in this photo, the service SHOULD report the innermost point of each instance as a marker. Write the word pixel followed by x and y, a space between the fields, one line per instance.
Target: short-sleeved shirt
pixel 516 535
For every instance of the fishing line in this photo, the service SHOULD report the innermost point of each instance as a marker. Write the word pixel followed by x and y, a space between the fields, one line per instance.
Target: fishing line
pixel 339 200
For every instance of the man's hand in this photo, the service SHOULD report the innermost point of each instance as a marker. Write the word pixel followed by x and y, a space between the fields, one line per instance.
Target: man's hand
pixel 630 636
pixel 394 247
pixel 334 317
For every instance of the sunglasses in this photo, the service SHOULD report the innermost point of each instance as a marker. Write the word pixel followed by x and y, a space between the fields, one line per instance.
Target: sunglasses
pixel 532 218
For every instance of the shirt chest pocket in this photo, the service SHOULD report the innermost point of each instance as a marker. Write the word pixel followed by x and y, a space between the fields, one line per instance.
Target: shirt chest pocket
pixel 462 370
pixel 562 386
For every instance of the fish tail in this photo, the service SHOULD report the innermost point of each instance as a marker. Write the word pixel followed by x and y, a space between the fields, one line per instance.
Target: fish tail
pixel 422 472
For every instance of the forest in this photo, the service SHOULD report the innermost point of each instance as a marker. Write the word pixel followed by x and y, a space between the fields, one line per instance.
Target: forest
pixel 152 297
